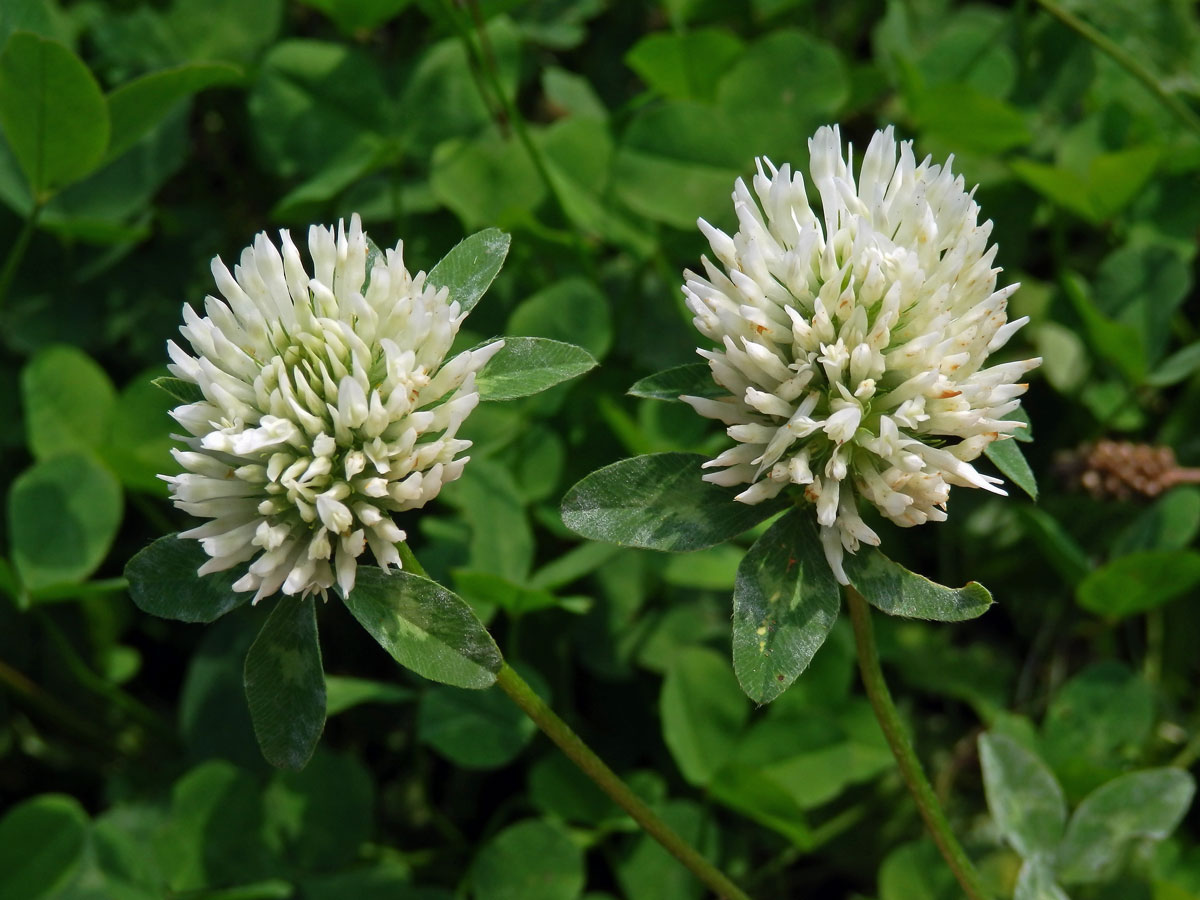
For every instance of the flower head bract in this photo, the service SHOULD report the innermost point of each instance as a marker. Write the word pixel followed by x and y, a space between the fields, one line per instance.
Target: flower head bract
pixel 328 405
pixel 853 337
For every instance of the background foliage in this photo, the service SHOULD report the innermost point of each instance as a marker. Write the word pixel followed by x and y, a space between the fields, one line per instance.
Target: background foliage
pixel 143 138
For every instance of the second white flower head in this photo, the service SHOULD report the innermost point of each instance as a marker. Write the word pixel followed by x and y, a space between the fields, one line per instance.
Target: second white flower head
pixel 854 339
pixel 327 406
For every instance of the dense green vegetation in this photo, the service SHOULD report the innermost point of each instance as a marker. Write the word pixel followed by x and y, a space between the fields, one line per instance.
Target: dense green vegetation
pixel 143 138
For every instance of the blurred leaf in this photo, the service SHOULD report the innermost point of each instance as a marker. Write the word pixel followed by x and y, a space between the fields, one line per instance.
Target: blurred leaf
pixel 1138 582
pixel 311 100
pixel 693 379
pixel 52 112
pixel 425 627
pixel 486 179
pixel 352 164
pixel 343 692
pixel 572 310
pixel 530 365
pixel 714 569
pixel 1111 182
pixel 703 712
pixel 784 86
pixel 916 871
pixel 42 843
pixel 359 15
pixel 319 818
pixel 138 105
pixel 531 860
pixel 1171 523
pixel 678 161
pixel 68 401
pixel 385 880
pixel 485 587
pixel 1147 804
pixel 1176 367
pixel 684 65
pixel 1023 796
pixel 1096 723
pixel 63 515
pixel 1060 549
pixel 471 266
pixel 649 872
pixel 473 729
pixel 138 443
pixel 285 684
pixel 784 603
pixel 970 120
pixel 893 589
pixel 559 789
pixel 1036 882
pixel 1117 342
pixel 1008 458
pixel 658 501
pixel 490 502
pixel 578 156
pixel 163 582
pixel 1142 284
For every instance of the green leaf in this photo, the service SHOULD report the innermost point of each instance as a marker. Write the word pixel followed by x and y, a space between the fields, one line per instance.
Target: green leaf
pixel 1171 523
pixel 312 99
pixel 425 627
pixel 52 112
pixel 572 310
pixel 703 712
pixel 494 590
pixel 531 860
pixel 139 105
pixel 1118 342
pixel 692 379
pixel 42 843
pixel 1036 882
pixel 1095 724
pixel 68 400
pixel 678 161
pixel 658 501
pixel 1138 805
pixel 285 684
pixel 530 365
pixel 781 89
pixel 1176 367
pixel 967 119
pixel 1023 796
pixel 469 269
pixel 473 729
pixel 183 391
pixel 916 871
pixel 343 692
pixel 138 445
pixel 489 501
pixel 163 582
pixel 319 818
pixel 1138 582
pixel 893 589
pixel 649 872
pixel 485 179
pixel 785 601
pixel 684 66
pixel 1060 549
pixel 1008 458
pixel 355 16
pixel 63 515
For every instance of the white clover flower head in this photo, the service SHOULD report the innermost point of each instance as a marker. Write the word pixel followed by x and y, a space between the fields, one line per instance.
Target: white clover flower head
pixel 327 406
pixel 853 339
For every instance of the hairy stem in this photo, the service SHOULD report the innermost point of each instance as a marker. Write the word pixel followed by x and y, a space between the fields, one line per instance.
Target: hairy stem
pixel 591 765
pixel 902 749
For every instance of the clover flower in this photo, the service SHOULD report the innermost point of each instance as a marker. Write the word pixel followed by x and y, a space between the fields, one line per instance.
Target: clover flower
pixel 854 338
pixel 327 406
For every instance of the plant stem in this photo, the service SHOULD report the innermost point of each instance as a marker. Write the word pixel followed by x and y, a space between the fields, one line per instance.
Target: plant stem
pixel 591 765
pixel 902 749
pixel 16 252
pixel 1114 51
